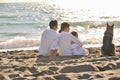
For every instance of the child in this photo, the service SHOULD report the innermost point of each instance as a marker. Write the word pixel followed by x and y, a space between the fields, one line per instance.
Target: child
pixel 76 49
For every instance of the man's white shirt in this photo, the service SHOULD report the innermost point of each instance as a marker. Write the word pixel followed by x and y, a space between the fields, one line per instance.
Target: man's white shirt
pixel 47 38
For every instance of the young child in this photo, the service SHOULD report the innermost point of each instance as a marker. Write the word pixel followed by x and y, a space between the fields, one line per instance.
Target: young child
pixel 76 49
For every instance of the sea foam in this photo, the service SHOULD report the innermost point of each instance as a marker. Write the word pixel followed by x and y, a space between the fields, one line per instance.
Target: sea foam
pixel 19 42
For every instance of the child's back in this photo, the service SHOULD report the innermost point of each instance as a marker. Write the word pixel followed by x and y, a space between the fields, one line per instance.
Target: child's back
pixel 76 49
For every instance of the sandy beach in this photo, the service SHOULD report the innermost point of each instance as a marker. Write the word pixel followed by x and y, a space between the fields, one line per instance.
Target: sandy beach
pixel 30 65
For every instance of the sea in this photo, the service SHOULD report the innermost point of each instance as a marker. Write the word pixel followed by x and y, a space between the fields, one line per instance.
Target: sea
pixel 21 24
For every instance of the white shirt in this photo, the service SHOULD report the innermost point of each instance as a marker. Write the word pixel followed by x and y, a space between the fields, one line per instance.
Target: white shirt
pixel 47 38
pixel 78 50
pixel 64 43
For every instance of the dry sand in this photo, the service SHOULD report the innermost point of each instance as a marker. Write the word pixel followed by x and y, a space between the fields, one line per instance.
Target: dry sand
pixel 29 65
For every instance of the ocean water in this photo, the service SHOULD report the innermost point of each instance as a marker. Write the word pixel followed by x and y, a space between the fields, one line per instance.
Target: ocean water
pixel 21 24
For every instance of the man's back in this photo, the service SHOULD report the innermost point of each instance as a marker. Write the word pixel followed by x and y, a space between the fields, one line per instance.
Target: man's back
pixel 48 37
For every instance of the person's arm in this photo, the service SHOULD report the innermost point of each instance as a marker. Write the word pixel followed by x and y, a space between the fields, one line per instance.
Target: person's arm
pixel 54 45
pixel 76 40
pixel 54 48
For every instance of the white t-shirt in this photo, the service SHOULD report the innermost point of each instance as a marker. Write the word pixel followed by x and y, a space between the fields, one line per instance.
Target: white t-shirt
pixel 47 38
pixel 64 43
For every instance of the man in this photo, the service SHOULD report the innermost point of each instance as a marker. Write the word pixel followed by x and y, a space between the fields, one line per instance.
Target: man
pixel 48 37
